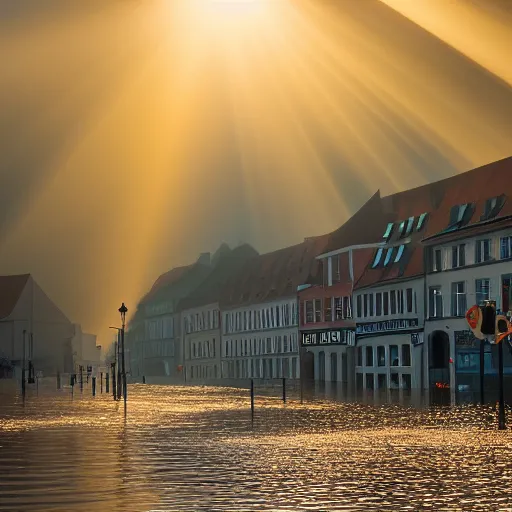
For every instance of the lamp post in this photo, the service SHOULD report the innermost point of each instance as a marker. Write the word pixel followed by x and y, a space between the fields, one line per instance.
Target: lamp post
pixel 116 382
pixel 123 310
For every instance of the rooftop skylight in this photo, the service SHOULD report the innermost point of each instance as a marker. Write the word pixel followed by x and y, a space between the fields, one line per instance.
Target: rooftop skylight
pixel 400 253
pixel 389 254
pixel 378 257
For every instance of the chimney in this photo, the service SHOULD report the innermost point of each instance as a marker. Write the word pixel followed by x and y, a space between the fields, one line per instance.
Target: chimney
pixel 204 259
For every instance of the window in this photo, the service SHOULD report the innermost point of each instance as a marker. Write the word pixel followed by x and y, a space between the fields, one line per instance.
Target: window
pixel 459 303
pixel 406 355
pixel 389 255
pixel 370 304
pixel 365 305
pixel 438 261
pixel 393 302
pixel 347 307
pixel 409 296
pixel 393 355
pixel 278 317
pixel 378 304
pixel 406 381
pixel 310 316
pixel 410 224
pixel 369 356
pixel 389 230
pixel 318 310
pixel 369 381
pixel 338 308
pixel 458 255
pixel 378 258
pixel 327 309
pixel 285 343
pixel 359 306
pixel 336 274
pixel 483 251
pixel 381 356
pixel 482 290
pixel 421 221
pixel 435 302
pixel 506 247
pixel 399 253
pixel 400 301
pixel 461 214
pixel 386 303
pixel 401 229
pixel 492 207
pixel 359 356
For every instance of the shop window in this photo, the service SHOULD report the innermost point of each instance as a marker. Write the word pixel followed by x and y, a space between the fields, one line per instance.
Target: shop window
pixel 406 381
pixel 381 356
pixel 394 382
pixel 369 381
pixel 406 355
pixel 393 355
pixel 381 381
pixel 369 356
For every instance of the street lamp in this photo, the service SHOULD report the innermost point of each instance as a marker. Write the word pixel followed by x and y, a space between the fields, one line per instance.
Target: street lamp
pixel 123 310
pixel 116 386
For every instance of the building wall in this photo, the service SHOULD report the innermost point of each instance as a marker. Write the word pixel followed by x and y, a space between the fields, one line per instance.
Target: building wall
pixel 389 333
pixel 50 350
pixel 447 306
pixel 201 343
pixel 261 341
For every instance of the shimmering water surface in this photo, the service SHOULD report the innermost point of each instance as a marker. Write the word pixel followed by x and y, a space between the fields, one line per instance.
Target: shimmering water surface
pixel 185 448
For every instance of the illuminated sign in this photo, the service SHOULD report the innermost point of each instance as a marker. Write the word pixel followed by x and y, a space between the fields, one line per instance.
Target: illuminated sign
pixel 404 324
pixel 329 337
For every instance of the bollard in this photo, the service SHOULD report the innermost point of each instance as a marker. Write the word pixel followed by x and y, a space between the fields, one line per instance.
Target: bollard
pixel 101 382
pixel 106 382
pixel 58 380
pixel 23 384
pixel 252 399
pixel 81 379
pixel 114 385
pixel 94 386
pixel 143 379
pixel 284 390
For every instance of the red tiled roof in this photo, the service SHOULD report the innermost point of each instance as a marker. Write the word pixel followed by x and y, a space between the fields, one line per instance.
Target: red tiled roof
pixel 275 274
pixel 437 199
pixel 11 288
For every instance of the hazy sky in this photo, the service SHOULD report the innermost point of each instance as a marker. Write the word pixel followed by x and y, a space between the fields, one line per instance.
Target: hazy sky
pixel 135 134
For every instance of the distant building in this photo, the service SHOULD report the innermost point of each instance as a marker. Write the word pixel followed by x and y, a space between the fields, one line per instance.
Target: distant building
pixel 85 351
pixel 32 325
pixel 200 316
pixel 260 313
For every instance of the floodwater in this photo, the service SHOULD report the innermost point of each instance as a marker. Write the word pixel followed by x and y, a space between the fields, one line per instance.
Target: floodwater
pixel 195 449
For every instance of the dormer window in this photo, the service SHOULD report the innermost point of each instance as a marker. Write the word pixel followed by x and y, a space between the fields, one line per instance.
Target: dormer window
pixel 460 215
pixel 421 221
pixel 378 258
pixel 410 224
pixel 389 230
pixel 389 254
pixel 400 253
pixel 401 229
pixel 492 207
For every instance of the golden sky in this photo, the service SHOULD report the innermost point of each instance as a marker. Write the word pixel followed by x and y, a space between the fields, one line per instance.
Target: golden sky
pixel 136 134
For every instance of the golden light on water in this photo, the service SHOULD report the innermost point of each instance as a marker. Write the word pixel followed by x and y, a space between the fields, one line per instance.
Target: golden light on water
pixel 136 134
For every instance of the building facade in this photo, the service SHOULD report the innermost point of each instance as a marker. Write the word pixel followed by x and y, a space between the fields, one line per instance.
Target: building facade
pixel 260 341
pixel 201 343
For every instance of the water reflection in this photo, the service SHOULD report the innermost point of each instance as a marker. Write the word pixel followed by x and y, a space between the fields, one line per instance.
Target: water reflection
pixel 184 448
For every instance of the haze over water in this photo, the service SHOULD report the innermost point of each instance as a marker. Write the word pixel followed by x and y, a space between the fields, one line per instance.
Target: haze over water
pixel 182 448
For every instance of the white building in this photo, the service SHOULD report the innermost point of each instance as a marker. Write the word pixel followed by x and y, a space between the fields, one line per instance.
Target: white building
pixel 201 343
pixel 466 269
pixel 389 331
pixel 261 341
pixel 85 351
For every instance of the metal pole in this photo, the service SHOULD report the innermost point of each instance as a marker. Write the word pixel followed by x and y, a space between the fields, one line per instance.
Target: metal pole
pixel 143 363
pixel 284 390
pixel 106 382
pixel 81 379
pixel 252 400
pixel 23 366
pixel 119 381
pixel 501 410
pixel 125 391
pixel 94 386
pixel 101 382
pixel 482 363
pixel 114 382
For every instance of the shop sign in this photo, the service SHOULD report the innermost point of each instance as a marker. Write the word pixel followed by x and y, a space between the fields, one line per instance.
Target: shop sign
pixel 329 337
pixel 416 338
pixel 403 324
pixel 466 339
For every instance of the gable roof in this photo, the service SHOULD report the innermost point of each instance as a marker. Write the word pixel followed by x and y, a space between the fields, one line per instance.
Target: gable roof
pixel 167 279
pixel 437 199
pixel 228 263
pixel 275 274
pixel 11 288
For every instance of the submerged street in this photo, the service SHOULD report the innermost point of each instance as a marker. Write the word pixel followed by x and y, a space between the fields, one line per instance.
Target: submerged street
pixel 186 448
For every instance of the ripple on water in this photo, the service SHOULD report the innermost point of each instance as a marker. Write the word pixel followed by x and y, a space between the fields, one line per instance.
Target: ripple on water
pixel 180 448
